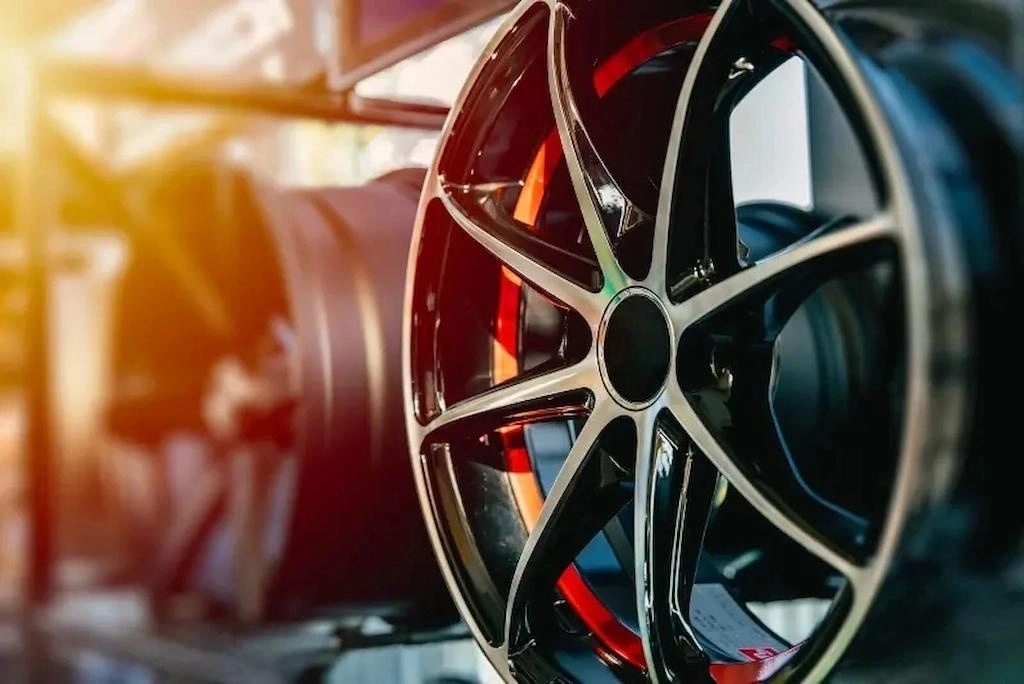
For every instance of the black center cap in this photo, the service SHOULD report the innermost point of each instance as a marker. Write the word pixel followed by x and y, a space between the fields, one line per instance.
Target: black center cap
pixel 636 349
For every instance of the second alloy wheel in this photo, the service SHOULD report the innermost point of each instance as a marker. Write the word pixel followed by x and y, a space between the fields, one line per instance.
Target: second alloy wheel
pixel 659 433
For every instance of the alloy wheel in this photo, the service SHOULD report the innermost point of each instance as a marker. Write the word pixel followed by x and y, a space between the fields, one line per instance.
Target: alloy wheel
pixel 606 357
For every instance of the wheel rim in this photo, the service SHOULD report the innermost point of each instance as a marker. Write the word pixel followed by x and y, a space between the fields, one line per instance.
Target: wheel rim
pixel 698 287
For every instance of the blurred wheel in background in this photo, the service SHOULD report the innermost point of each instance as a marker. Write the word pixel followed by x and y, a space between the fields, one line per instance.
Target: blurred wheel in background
pixel 264 472
pixel 663 432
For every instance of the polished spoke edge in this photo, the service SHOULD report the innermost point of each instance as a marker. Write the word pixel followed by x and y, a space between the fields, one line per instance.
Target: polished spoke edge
pixel 586 303
pixel 579 154
pixel 505 398
pixel 815 246
pixel 706 442
pixel 604 412
pixel 657 276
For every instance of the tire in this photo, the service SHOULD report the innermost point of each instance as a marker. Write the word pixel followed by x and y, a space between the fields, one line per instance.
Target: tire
pixel 649 421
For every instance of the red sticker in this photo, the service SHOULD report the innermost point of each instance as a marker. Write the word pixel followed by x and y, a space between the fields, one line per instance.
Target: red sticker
pixel 757 654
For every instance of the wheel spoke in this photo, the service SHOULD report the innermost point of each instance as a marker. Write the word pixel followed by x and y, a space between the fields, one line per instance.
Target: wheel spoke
pixel 743 419
pixel 545 395
pixel 604 206
pixel 821 254
pixel 590 489
pixel 475 210
pixel 770 506
pixel 695 231
pixel 675 491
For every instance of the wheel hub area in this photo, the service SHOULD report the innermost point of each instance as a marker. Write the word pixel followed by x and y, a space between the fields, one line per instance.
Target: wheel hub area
pixel 635 348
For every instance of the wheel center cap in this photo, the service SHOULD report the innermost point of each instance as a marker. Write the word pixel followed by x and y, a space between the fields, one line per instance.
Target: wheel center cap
pixel 634 347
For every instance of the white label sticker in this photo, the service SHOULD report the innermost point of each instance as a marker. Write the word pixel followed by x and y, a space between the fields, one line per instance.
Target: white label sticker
pixel 721 620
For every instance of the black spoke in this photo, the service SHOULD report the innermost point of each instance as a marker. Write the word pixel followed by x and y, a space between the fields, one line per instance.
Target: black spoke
pixel 703 242
pixel 565 276
pixel 607 212
pixel 767 503
pixel 679 492
pixel 743 419
pixel 591 488
pixel 558 393
pixel 775 286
